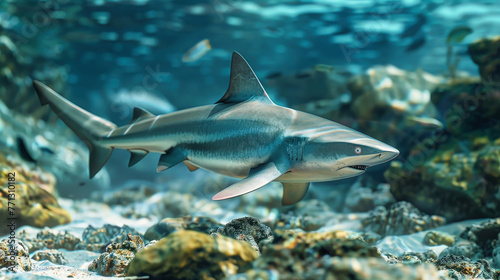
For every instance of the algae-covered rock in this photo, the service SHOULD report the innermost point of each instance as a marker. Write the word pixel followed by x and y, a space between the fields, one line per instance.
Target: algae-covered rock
pixel 193 255
pixel 169 225
pixel 14 255
pixel 53 256
pixel 247 229
pixel 402 218
pixel 486 54
pixel 460 266
pixel 97 239
pixel 32 204
pixel 49 239
pixel 450 182
pixel 117 257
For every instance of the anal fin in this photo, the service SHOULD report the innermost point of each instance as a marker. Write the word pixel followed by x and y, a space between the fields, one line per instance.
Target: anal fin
pixel 136 156
pixel 191 166
pixel 257 178
pixel 293 192
pixel 172 157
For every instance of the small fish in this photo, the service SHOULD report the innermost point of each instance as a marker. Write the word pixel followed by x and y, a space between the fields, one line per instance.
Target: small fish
pixel 414 28
pixel 323 68
pixel 303 75
pixel 197 51
pixel 274 75
pixel 416 44
pixel 458 34
pixel 124 102
pixel 427 122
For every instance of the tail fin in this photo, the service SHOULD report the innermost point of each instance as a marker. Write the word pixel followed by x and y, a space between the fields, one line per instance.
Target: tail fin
pixel 90 128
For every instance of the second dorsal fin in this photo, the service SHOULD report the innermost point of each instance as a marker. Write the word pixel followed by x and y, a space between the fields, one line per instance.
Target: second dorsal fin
pixel 243 83
pixel 140 114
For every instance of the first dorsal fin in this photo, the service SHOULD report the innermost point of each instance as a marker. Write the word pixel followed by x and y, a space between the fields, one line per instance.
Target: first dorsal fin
pixel 243 83
pixel 140 114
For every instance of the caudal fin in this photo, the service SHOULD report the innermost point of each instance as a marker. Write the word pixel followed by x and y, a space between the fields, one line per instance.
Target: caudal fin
pixel 90 128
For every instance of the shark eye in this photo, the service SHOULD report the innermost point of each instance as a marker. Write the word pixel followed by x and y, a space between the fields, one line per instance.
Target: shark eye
pixel 357 150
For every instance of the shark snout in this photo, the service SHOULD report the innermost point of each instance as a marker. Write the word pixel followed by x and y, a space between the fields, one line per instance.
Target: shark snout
pixel 387 153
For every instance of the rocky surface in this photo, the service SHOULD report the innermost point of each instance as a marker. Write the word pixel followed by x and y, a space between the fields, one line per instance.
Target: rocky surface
pixel 486 54
pixel 97 239
pixel 115 261
pixel 49 239
pixel 193 255
pixel 53 256
pixel 31 202
pixel 247 229
pixel 401 218
pixel 14 255
pixel 170 225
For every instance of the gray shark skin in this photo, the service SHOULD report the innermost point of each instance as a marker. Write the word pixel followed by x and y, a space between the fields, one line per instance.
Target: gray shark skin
pixel 243 135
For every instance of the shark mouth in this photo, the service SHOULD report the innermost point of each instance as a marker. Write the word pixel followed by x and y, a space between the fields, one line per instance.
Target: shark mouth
pixel 358 167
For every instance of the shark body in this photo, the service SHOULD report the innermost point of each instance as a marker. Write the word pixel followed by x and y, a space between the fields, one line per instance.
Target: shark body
pixel 243 135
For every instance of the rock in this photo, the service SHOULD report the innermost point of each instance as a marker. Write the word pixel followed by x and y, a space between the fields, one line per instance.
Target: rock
pixel 53 256
pixel 34 205
pixel 486 54
pixel 97 239
pixel 169 225
pixel 117 257
pixel 451 182
pixel 465 248
pixel 467 105
pixel 464 266
pixel 435 238
pixel 412 258
pixel 364 199
pixel 486 235
pixel 330 255
pixel 50 239
pixel 402 218
pixel 193 255
pixel 247 229
pixel 14 255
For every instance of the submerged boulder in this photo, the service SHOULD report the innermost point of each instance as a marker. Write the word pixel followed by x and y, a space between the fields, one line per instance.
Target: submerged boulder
pixel 486 54
pixel 192 255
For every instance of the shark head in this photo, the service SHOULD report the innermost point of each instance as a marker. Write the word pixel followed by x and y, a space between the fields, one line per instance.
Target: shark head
pixel 341 152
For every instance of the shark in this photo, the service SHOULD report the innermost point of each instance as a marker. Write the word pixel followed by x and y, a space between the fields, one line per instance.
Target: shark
pixel 243 135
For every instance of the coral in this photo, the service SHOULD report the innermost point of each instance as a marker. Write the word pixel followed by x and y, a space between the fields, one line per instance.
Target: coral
pixel 50 255
pixel 402 218
pixel 169 225
pixel 97 239
pixel 385 100
pixel 193 255
pixel 14 254
pixel 50 239
pixel 117 257
pixel 247 229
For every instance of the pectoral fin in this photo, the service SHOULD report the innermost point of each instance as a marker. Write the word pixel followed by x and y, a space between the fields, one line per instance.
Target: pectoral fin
pixel 257 178
pixel 170 158
pixel 293 192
